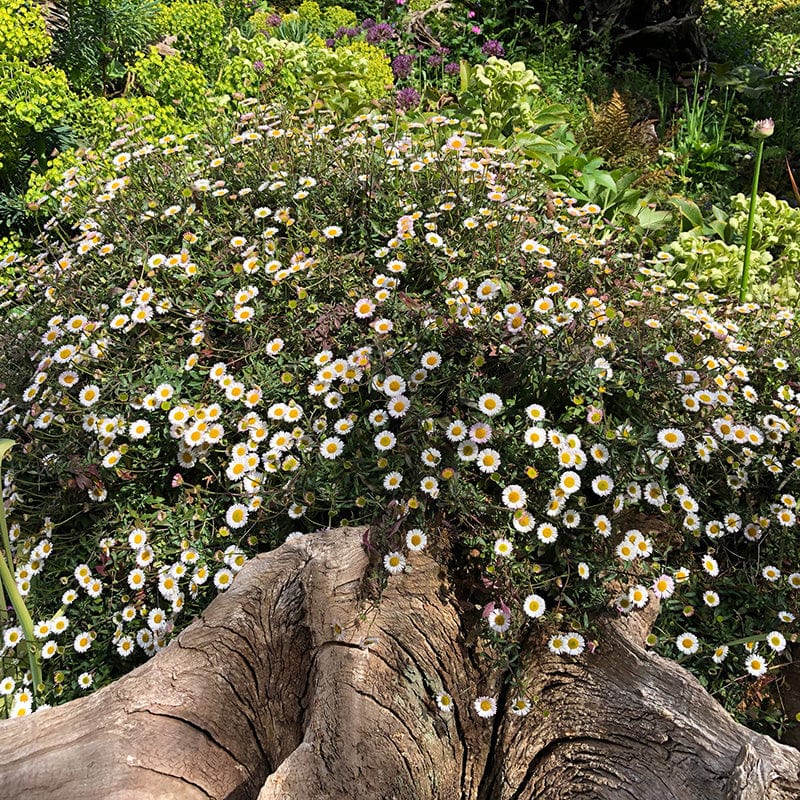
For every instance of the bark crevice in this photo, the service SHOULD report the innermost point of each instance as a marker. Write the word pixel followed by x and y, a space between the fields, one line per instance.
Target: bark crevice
pixel 258 700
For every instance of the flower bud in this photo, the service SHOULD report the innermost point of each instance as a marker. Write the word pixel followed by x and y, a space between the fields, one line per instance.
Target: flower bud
pixel 763 128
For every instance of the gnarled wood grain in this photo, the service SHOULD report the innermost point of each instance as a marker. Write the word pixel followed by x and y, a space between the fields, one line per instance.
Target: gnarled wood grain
pixel 260 698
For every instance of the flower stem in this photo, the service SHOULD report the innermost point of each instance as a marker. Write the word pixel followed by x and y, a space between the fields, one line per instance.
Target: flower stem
pixel 7 581
pixel 748 239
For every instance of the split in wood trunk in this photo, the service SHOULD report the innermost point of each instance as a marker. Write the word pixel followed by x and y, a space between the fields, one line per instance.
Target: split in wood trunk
pixel 260 698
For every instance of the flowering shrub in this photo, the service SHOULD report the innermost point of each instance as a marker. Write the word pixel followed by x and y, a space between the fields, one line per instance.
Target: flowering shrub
pixel 249 336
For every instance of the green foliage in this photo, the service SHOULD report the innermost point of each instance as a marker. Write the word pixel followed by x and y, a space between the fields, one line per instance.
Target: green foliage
pixel 711 254
pixel 335 17
pixel 258 21
pixel 236 12
pixel 34 101
pixel 173 82
pixel 612 132
pixel 23 34
pixel 309 11
pixel 198 28
pixel 501 97
pixel 762 32
pixel 286 65
pixel 293 325
pixel 95 39
pixel 347 78
pixel 294 29
pixel 370 63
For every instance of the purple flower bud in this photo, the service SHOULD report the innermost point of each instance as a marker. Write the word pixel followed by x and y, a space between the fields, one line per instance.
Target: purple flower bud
pixel 476 29
pixel 381 32
pixel 452 68
pixel 343 31
pixel 258 66
pixel 402 66
pixel 493 48
pixel 407 98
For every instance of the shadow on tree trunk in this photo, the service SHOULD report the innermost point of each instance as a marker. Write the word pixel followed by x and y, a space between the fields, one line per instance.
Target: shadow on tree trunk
pixel 259 698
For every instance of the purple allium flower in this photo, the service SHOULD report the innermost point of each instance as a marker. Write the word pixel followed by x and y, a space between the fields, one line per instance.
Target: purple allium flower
pixel 330 43
pixel 368 23
pixel 435 60
pixel 380 33
pixel 343 31
pixel 402 66
pixel 493 48
pixel 407 98
pixel 452 68
pixel 274 20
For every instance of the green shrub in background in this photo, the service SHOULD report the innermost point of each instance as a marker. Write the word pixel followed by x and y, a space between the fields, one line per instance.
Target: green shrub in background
pixel 173 82
pixel 501 97
pixel 23 34
pixel 309 11
pixel 34 100
pixel 285 65
pixel 335 17
pixel 763 32
pixel 96 39
pixel 346 79
pixel 198 28
pixel 711 253
pixel 370 63
pixel 236 12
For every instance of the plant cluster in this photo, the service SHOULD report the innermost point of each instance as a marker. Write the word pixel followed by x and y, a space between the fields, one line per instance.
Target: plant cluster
pixel 198 31
pixel 711 253
pixel 23 34
pixel 763 32
pixel 257 333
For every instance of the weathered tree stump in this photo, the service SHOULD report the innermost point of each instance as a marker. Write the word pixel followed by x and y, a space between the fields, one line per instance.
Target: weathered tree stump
pixel 259 698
